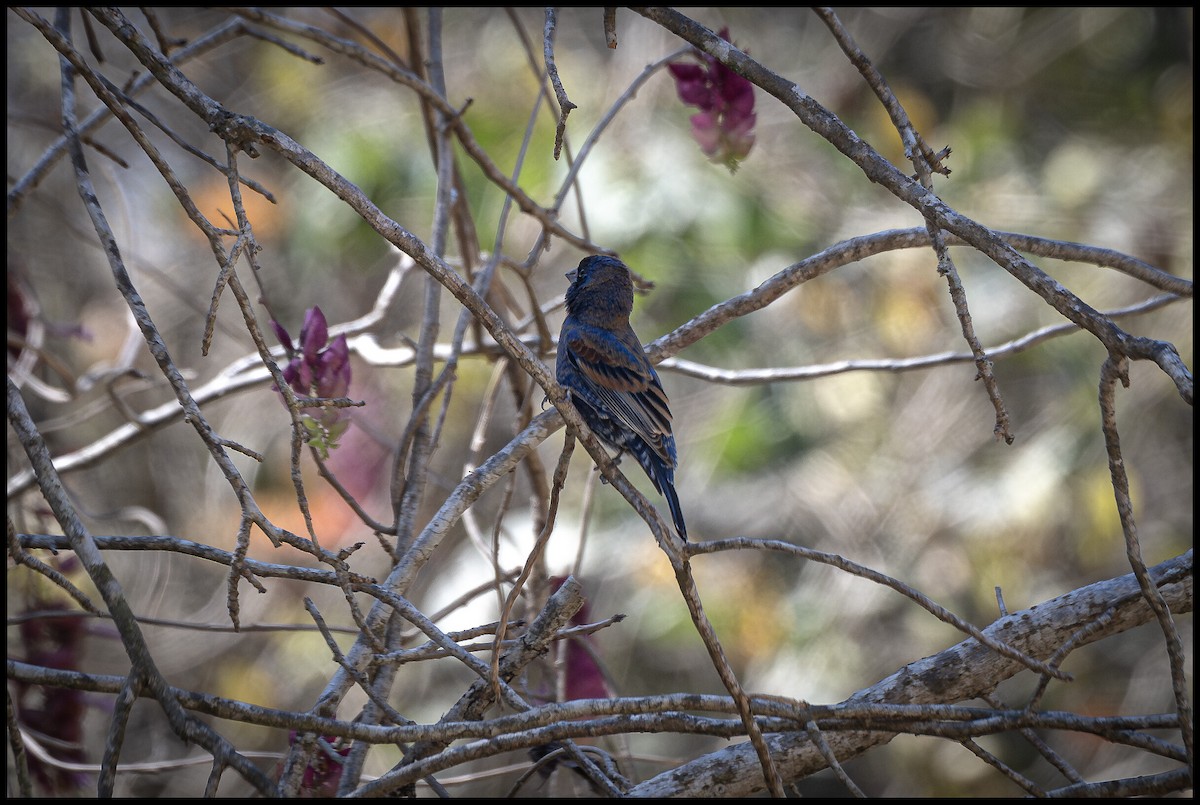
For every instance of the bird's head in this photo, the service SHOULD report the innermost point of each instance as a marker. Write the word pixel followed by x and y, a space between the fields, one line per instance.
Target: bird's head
pixel 600 282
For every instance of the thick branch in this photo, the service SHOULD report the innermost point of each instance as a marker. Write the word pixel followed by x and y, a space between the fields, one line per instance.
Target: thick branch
pixel 959 673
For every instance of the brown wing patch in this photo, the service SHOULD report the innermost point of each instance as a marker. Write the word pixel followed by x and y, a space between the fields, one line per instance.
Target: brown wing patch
pixel 600 371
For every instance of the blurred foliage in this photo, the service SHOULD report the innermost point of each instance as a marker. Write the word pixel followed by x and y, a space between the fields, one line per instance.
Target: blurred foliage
pixel 1068 123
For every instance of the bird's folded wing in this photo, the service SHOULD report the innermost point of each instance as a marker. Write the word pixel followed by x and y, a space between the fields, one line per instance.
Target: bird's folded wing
pixel 625 383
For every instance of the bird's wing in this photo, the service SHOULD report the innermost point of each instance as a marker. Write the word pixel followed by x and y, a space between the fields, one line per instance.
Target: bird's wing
pixel 622 380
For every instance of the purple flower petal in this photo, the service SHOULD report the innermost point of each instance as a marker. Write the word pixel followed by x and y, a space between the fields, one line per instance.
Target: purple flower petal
pixel 334 371
pixel 686 72
pixel 304 378
pixel 724 129
pixel 697 94
pixel 314 334
pixel 283 336
pixel 705 132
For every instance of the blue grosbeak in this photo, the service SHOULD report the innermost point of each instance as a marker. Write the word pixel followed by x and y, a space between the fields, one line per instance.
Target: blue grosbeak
pixel 612 384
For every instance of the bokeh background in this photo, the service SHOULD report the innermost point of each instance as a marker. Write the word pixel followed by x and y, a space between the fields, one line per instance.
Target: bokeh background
pixel 1068 123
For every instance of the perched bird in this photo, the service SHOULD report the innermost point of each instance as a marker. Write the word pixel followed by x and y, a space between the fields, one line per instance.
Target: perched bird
pixel 612 384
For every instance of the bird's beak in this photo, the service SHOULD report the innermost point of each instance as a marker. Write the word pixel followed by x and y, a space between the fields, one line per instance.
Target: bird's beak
pixel 571 275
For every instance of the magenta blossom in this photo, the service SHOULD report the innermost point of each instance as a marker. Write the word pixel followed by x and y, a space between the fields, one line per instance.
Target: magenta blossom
pixel 324 772
pixel 724 128
pixel 584 680
pixel 319 368
pixel 54 640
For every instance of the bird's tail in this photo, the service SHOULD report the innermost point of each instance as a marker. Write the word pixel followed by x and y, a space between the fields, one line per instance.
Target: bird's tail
pixel 664 481
pixel 662 475
pixel 668 490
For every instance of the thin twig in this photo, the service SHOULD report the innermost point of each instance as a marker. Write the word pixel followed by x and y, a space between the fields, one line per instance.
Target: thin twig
pixel 987 757
pixel 22 557
pixel 116 733
pixel 16 744
pixel 564 103
pixel 560 475
pixel 1116 368
pixel 747 377
pixel 687 586
pixel 938 611
pixel 610 27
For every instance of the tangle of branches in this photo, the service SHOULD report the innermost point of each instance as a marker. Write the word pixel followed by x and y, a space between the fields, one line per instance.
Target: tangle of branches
pixel 415 621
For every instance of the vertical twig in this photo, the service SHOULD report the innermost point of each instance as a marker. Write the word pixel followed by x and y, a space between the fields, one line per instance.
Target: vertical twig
pixel 560 476
pixel 17 744
pixel 610 27
pixel 122 706
pixel 416 462
pixel 926 163
pixel 687 586
pixel 1116 368
pixel 564 103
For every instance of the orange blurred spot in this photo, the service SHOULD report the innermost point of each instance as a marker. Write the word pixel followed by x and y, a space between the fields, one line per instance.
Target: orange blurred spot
pixel 213 200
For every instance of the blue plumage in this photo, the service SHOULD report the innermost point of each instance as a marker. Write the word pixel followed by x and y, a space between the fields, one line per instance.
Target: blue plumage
pixel 612 383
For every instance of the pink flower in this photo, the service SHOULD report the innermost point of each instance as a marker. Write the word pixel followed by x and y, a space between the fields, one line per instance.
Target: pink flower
pixel 724 128
pixel 319 368
pixel 324 772
pixel 56 714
